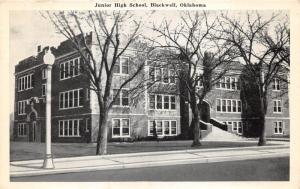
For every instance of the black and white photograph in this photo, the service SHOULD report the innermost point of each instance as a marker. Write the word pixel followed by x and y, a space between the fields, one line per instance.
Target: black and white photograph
pixel 150 92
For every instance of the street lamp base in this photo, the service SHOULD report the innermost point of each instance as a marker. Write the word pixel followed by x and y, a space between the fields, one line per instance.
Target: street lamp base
pixel 48 162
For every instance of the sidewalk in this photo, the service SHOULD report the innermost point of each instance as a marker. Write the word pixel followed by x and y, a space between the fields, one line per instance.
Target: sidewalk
pixel 278 139
pixel 148 159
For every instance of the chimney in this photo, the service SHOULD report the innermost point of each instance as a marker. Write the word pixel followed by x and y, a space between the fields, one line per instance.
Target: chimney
pixel 39 48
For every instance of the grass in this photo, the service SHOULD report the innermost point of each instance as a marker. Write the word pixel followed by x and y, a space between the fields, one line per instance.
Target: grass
pixel 27 150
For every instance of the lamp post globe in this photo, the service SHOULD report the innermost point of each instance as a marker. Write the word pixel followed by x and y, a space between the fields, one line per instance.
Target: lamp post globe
pixel 49 58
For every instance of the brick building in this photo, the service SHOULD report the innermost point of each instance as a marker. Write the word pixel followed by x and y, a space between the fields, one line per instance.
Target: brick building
pixel 75 112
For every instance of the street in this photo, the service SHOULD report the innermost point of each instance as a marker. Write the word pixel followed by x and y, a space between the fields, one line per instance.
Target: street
pixel 270 169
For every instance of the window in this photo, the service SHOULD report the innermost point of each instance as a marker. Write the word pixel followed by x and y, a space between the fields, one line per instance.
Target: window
pixel 228 83
pixel 277 106
pixel 151 74
pixel 233 83
pixel 120 127
pixel 166 127
pixel 162 102
pixel 88 91
pixel 71 99
pixel 239 106
pixel 21 107
pixel 234 106
pixel 159 74
pixel 199 83
pixel 218 105
pixel 163 127
pixel 223 105
pixel 229 124
pixel 236 126
pixel 122 99
pixel 223 85
pixel 173 128
pixel 152 101
pixel 25 82
pixel 173 103
pixel 125 97
pixel 122 66
pixel 69 128
pixel 240 128
pixel 22 129
pixel 275 84
pixel 166 102
pixel 70 68
pixel 172 76
pixel 151 128
pixel 278 127
pixel 159 128
pixel 238 84
pixel 44 73
pixel 44 89
pixel 165 75
pixel 158 101
pixel 228 105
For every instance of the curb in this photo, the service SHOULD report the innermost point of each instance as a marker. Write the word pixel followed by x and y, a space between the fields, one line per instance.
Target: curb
pixel 152 164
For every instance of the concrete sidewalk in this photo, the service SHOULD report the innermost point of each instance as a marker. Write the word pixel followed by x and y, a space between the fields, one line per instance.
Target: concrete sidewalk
pixel 147 159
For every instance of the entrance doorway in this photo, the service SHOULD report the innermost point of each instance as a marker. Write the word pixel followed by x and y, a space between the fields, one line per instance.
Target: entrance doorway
pixel 33 132
pixel 205 112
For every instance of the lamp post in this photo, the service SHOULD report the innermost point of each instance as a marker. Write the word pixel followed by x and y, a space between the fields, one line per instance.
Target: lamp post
pixel 49 60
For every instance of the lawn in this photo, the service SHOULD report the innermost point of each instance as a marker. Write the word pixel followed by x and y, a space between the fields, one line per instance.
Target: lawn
pixel 27 150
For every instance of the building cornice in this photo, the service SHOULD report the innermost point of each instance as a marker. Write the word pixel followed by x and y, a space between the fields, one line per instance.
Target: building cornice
pixel 28 69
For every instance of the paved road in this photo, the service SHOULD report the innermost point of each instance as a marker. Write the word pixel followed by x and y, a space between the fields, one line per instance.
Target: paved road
pixel 271 169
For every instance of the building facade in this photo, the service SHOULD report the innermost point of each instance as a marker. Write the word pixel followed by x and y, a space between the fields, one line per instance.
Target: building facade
pixel 75 112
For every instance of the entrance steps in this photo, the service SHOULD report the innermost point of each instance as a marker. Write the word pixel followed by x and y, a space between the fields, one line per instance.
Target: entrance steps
pixel 218 134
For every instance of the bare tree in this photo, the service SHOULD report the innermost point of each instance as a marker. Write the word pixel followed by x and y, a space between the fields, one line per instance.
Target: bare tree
pixel 263 47
pixel 115 32
pixel 199 58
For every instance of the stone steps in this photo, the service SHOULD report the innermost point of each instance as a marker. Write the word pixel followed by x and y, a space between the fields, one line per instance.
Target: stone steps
pixel 218 134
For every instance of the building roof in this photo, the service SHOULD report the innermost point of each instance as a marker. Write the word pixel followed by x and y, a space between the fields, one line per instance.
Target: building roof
pixel 64 48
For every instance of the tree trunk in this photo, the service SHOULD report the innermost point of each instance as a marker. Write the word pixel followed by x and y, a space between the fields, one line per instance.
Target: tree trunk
pixel 195 111
pixel 102 134
pixel 262 137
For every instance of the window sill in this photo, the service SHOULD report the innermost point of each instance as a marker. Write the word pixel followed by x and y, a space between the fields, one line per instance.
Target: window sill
pixel 228 89
pixel 70 108
pixel 160 82
pixel 161 136
pixel 120 136
pixel 120 74
pixel 229 112
pixel 173 110
pixel 60 79
pixel 119 106
pixel 25 89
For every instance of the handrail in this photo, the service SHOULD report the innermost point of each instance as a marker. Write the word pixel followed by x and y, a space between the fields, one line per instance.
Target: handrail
pixel 218 124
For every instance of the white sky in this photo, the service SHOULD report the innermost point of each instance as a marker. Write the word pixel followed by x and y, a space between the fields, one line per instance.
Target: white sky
pixel 28 29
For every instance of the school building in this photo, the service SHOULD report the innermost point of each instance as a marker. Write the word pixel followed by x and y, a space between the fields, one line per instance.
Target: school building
pixel 75 112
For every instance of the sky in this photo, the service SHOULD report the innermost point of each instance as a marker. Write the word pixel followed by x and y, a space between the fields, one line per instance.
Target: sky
pixel 28 29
